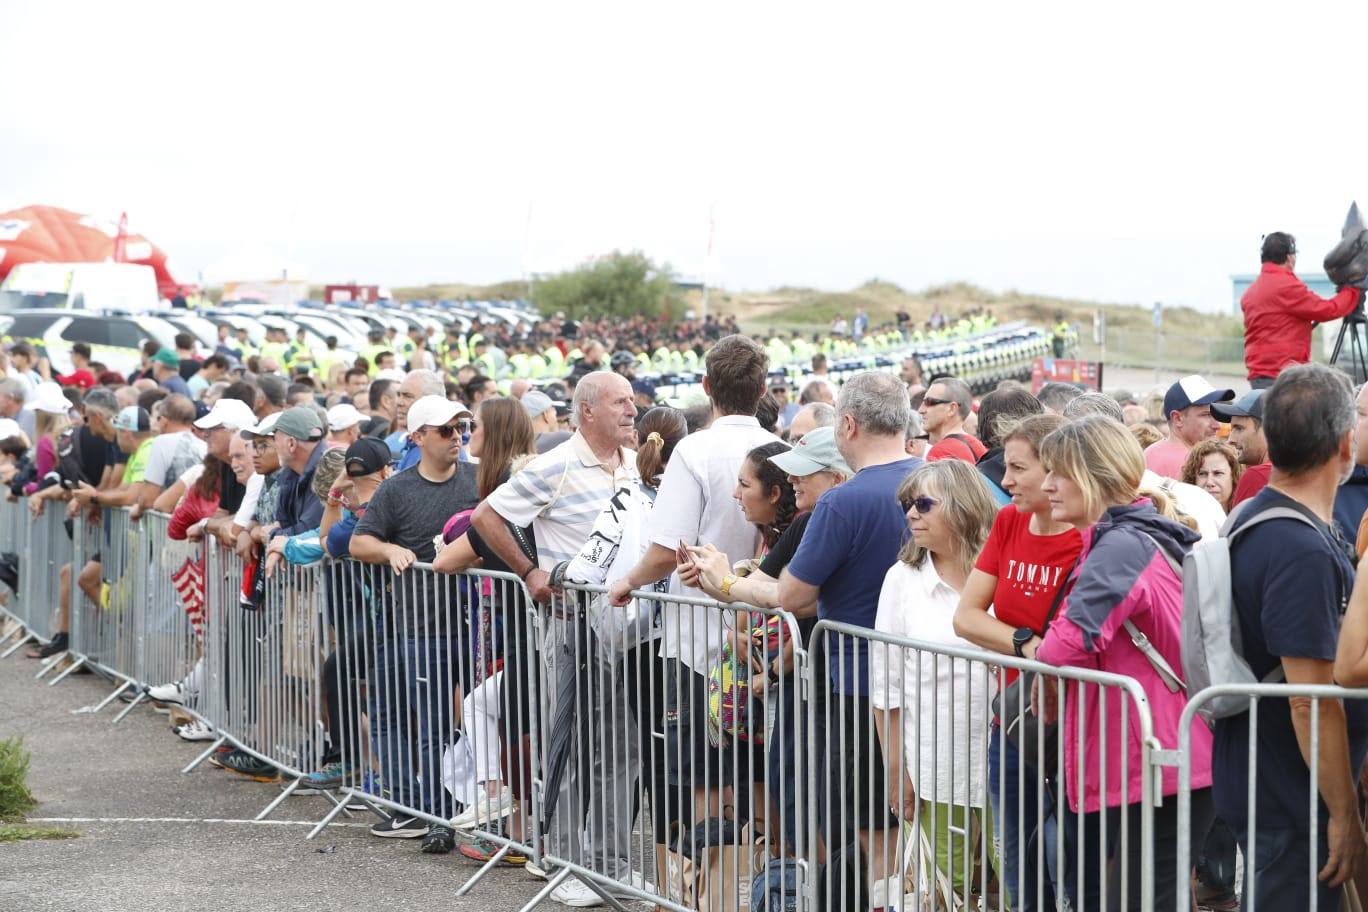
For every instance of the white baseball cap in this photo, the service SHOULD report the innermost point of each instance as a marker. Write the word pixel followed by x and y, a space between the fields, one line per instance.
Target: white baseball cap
pixel 265 428
pixel 233 414
pixel 49 399
pixel 344 415
pixel 433 411
pixel 10 428
pixel 391 373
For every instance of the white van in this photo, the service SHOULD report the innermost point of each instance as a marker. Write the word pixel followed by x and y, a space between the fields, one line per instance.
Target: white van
pixel 103 287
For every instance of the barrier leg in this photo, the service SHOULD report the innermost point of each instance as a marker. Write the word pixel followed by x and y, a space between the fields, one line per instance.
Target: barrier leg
pixel 142 694
pixel 275 802
pixel 106 701
pixel 546 891
pixel 48 664
pixel 23 641
pixel 204 756
pixel 488 866
pixel 338 808
pixel 69 670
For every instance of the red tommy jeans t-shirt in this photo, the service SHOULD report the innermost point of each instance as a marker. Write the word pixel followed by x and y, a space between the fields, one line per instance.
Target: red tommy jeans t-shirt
pixel 1029 568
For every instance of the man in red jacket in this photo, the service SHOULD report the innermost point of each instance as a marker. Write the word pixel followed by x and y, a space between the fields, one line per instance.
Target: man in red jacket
pixel 1280 312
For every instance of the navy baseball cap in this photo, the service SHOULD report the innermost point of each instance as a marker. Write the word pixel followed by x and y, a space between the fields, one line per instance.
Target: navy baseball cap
pixel 1193 390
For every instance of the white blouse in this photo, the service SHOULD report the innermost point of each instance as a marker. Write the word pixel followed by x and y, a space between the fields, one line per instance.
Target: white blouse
pixel 944 701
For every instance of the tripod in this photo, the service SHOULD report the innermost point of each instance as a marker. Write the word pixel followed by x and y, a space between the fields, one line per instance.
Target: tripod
pixel 1355 326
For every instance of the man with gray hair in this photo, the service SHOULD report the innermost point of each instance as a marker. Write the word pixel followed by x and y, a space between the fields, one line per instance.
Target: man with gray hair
pixel 853 537
pixel 13 392
pixel 809 418
pixel 559 495
pixel 948 403
pixel 1291 576
pixel 1054 396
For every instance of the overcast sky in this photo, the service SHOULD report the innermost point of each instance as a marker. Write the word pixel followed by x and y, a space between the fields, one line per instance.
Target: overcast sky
pixel 1129 152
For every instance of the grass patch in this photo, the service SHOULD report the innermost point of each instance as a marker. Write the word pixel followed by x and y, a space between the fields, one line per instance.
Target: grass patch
pixel 16 800
pixel 22 832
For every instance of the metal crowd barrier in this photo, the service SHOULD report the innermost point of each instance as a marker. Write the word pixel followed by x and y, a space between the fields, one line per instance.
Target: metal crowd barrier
pixel 1291 889
pixel 917 785
pixel 646 752
pixel 41 545
pixel 669 759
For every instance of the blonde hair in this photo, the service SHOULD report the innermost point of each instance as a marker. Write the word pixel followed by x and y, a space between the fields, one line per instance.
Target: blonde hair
pixel 962 495
pixel 1104 459
pixel 1146 434
pixel 50 423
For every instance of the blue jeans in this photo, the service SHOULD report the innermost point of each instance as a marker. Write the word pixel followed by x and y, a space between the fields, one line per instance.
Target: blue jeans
pixel 1021 826
pixel 1278 878
pixel 414 685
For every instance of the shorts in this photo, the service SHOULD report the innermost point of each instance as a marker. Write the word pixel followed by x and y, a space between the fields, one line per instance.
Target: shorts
pixel 691 761
pixel 857 790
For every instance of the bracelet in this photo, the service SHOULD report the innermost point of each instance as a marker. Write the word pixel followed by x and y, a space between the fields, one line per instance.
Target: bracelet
pixel 335 494
pixel 526 573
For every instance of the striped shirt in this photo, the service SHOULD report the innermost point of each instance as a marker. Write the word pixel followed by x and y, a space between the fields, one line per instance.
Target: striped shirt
pixel 560 494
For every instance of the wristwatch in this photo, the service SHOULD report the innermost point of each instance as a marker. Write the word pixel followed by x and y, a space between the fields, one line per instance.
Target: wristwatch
pixel 1020 638
pixel 727 582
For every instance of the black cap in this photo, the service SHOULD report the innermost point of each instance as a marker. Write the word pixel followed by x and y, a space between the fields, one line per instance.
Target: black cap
pixel 366 457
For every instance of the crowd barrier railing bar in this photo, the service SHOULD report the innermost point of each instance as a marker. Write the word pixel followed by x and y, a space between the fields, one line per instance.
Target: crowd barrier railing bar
pixel 1259 695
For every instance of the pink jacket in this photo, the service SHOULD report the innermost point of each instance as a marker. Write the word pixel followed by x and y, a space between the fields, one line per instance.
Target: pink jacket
pixel 1122 575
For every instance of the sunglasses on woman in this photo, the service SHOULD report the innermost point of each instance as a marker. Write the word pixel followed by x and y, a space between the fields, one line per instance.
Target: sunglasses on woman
pixel 922 504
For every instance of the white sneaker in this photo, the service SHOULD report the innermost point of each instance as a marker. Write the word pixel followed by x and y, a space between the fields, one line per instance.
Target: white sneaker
pixel 195 731
pixel 573 892
pixel 485 811
pixel 168 693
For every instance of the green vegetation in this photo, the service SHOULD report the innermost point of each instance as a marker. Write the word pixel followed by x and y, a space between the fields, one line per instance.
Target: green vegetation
pixel 15 798
pixel 620 285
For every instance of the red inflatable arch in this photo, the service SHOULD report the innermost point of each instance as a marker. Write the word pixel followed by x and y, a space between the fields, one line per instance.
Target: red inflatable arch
pixel 46 234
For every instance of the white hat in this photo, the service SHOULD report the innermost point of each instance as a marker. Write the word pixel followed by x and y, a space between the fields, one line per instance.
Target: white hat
pixel 10 428
pixel 49 398
pixel 433 411
pixel 391 373
pixel 230 413
pixel 344 415
pixel 266 426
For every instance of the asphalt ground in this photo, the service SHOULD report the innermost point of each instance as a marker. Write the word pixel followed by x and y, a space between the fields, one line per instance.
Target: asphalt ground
pixel 153 839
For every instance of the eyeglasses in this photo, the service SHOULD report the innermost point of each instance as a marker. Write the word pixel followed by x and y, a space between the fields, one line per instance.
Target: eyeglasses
pixel 262 446
pixel 923 504
pixel 931 401
pixel 468 425
pixel 445 431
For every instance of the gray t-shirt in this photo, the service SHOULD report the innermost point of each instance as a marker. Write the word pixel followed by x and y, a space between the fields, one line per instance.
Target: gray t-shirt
pixel 409 511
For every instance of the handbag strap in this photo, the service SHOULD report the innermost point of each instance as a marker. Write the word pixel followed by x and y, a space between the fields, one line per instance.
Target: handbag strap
pixel 1059 597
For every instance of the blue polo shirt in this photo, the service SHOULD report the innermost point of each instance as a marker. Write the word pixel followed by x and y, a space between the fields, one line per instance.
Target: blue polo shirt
pixel 853 537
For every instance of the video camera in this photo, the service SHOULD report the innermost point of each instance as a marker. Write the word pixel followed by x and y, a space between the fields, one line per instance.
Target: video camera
pixel 1347 262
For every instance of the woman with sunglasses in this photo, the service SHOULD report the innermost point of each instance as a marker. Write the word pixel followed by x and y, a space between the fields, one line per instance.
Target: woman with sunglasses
pixel 1122 614
pixel 1025 560
pixel 931 710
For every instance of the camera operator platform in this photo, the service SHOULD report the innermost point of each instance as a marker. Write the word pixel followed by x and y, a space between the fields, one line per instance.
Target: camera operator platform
pixel 1280 312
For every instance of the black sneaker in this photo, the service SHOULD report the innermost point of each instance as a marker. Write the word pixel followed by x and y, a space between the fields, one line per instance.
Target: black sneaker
pixel 440 840
pixel 400 826
pixel 56 646
pixel 244 764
